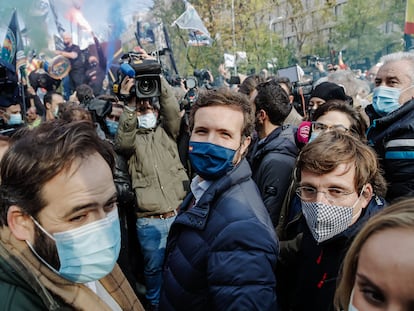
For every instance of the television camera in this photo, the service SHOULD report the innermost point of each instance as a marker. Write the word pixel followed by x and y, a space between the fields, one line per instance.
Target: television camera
pixel 146 73
pixel 301 91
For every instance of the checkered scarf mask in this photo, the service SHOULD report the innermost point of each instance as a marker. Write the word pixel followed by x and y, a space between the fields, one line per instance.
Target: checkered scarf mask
pixel 325 221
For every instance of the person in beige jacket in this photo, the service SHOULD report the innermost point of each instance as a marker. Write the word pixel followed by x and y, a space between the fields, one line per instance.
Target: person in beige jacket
pixel 147 133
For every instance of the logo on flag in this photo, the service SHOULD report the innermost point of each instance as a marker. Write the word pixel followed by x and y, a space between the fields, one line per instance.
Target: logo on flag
pixel 8 52
pixel 191 21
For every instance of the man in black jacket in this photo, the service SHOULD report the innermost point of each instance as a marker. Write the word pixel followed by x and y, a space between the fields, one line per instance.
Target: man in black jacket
pixel 339 187
pixel 392 122
pixel 274 153
pixel 74 54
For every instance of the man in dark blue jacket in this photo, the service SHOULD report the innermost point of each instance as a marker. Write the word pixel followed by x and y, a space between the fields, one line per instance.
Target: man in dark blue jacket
pixel 392 122
pixel 339 187
pixel 274 153
pixel 222 249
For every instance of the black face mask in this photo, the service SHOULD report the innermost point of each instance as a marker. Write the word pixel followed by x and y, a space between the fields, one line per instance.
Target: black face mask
pixel 93 64
pixel 66 44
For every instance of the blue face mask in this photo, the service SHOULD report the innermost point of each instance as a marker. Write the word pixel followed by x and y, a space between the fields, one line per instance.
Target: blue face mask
pixel 210 161
pixel 87 253
pixel 15 119
pixel 385 99
pixel 147 121
pixel 313 136
pixel 112 127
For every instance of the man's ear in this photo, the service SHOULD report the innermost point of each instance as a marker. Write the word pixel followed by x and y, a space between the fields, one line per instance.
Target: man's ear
pixel 48 106
pixel 366 195
pixel 20 224
pixel 245 145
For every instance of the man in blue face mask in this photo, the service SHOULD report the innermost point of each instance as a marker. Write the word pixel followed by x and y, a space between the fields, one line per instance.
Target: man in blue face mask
pixel 10 115
pixel 391 114
pixel 222 248
pixel 60 233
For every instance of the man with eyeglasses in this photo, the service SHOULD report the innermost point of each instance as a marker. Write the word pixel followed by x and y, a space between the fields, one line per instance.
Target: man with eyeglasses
pixel 339 186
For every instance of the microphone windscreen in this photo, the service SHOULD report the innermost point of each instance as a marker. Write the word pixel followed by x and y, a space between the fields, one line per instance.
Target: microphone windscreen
pixel 303 133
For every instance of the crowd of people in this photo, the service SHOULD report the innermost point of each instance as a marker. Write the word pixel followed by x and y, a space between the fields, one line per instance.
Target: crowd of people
pixel 244 197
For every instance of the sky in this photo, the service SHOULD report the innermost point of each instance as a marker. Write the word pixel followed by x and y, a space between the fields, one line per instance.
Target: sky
pixel 99 13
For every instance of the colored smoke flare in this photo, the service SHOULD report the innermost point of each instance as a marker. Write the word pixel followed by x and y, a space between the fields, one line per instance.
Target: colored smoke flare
pixel 75 16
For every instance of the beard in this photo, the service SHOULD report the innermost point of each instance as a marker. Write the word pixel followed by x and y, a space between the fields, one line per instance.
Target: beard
pixel 46 248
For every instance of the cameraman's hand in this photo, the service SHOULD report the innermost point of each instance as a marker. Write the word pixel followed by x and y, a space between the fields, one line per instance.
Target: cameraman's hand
pixel 319 66
pixel 144 54
pixel 126 85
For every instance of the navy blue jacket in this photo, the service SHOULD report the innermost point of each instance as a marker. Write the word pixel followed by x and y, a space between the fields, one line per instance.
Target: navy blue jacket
pixel 310 279
pixel 272 162
pixel 392 137
pixel 221 253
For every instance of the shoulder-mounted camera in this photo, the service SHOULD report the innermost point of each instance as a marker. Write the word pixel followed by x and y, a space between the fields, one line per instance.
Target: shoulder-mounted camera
pixel 145 72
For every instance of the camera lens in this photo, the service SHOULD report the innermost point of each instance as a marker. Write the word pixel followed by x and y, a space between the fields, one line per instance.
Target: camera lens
pixel 147 86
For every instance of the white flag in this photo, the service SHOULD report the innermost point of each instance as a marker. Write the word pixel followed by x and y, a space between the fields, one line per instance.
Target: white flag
pixel 229 60
pixel 191 20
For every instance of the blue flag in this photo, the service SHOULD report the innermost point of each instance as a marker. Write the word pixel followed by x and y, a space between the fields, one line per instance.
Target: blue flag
pixel 12 49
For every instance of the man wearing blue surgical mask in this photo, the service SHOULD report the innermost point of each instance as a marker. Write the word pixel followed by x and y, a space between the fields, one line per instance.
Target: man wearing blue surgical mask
pixel 222 248
pixel 391 132
pixel 59 225
pixel 10 115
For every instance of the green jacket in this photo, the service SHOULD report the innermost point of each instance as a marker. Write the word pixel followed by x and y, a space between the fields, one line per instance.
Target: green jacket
pixel 158 176
pixel 17 294
pixel 27 284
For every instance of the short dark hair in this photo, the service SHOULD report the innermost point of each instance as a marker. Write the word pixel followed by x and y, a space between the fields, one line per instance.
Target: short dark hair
pixel 249 84
pixel 273 99
pixel 358 124
pixel 49 97
pixel 36 156
pixel 285 81
pixel 84 93
pixel 225 97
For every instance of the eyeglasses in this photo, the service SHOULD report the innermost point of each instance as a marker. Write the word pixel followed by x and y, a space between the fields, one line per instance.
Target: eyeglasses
pixel 310 194
pixel 319 127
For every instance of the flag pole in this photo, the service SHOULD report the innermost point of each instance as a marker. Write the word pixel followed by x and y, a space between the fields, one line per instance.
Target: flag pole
pixel 233 35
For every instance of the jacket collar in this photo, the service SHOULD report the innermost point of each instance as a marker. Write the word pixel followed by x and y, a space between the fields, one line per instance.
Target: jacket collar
pixel 196 216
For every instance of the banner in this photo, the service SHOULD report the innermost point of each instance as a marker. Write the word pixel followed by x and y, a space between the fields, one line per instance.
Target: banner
pixel 12 43
pixel 229 60
pixel 409 25
pixel 190 20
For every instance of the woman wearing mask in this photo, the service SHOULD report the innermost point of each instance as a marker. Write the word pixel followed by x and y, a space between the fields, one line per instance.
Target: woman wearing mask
pixel 378 270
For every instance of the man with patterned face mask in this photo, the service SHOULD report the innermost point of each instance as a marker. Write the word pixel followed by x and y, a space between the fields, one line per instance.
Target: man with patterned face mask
pixel 339 186
pixel 392 122
pixel 146 135
pixel 60 233
pixel 222 248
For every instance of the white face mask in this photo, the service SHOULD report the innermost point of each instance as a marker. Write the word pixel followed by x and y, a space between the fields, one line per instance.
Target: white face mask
pixel 147 121
pixel 351 301
pixel 326 221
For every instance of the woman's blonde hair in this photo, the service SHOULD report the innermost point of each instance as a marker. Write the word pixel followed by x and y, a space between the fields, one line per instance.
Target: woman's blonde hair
pixel 397 215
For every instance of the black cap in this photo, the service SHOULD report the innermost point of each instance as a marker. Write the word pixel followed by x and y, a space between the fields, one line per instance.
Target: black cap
pixel 6 101
pixel 329 90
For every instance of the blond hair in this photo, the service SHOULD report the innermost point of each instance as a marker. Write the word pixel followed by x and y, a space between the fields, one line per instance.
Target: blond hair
pixel 398 215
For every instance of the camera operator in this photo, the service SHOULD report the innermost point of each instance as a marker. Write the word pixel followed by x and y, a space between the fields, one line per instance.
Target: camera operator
pixel 147 132
pixel 189 86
